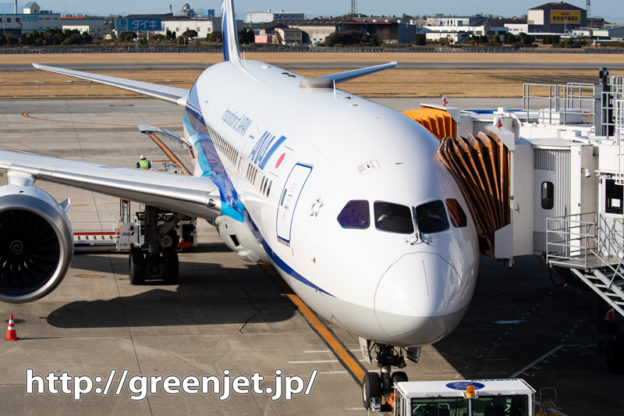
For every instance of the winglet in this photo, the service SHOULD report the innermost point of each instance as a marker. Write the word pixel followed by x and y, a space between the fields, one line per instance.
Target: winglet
pixel 229 33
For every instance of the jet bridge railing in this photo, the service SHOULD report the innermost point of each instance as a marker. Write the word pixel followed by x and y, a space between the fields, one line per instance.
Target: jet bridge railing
pixel 610 238
pixel 570 240
pixel 560 103
pixel 592 247
pixel 619 136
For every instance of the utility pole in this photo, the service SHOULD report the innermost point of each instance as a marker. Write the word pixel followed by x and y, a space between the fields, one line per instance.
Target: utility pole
pixel 354 7
pixel 588 7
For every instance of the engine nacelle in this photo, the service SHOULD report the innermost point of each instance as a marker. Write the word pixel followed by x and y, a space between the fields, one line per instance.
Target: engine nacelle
pixel 36 243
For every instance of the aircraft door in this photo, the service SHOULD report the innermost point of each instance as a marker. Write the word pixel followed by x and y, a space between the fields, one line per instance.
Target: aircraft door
pixel 289 198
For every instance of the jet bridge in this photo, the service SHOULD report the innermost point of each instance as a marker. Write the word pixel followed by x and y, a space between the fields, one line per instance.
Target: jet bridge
pixel 548 180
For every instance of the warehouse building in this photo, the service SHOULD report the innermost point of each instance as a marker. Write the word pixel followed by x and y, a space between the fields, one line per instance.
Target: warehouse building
pixel 95 26
pixel 556 18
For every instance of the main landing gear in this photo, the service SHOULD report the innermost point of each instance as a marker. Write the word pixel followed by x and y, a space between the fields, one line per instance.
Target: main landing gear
pixel 377 388
pixel 158 258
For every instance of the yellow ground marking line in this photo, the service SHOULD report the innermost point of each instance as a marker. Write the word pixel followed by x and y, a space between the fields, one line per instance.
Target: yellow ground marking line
pixel 336 346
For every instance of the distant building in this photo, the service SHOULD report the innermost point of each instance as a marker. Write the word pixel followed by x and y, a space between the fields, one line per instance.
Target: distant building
pixel 455 21
pixel 517 28
pixel 32 20
pixel 455 33
pixel 32 8
pixel 95 26
pixel 288 36
pixel 450 37
pixel 316 30
pixel 270 16
pixel 556 18
pixel 203 26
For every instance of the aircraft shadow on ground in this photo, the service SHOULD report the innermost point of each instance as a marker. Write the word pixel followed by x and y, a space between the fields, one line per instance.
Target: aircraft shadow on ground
pixel 516 315
pixel 208 294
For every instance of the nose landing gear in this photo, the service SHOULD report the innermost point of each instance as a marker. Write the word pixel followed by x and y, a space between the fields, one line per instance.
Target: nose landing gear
pixel 377 388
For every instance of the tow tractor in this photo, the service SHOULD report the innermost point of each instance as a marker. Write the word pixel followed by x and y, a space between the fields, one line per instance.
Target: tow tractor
pixel 505 397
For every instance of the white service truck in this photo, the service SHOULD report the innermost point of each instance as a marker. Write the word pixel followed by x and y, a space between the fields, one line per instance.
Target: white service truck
pixel 505 397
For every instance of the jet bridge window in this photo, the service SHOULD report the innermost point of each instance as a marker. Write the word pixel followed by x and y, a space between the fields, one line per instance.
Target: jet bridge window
pixel 356 214
pixel 548 195
pixel 393 218
pixel 431 217
pixel 614 200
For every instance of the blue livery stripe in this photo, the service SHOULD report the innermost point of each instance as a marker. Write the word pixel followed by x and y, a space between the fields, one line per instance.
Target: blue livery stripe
pixel 270 153
pixel 277 260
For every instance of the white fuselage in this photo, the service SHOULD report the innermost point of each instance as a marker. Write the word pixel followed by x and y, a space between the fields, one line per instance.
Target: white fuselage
pixel 287 161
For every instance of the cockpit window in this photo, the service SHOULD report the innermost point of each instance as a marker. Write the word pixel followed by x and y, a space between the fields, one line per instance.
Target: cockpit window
pixel 431 217
pixel 356 214
pixel 394 218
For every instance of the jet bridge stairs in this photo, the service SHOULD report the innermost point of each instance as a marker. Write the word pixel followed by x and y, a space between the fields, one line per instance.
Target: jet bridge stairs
pixel 592 247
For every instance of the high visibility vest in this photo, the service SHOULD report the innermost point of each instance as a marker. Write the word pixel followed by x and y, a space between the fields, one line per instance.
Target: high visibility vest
pixel 144 164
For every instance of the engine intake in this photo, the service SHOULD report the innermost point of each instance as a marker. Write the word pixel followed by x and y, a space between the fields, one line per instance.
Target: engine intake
pixel 36 243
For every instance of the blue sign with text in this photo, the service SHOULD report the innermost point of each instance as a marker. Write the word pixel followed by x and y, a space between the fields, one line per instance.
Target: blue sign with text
pixel 141 24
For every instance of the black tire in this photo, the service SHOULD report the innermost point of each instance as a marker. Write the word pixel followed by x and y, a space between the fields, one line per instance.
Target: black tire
pixel 137 266
pixel 371 387
pixel 398 376
pixel 171 267
pixel 615 359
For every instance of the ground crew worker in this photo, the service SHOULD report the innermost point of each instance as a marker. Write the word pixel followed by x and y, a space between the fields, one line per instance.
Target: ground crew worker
pixel 143 163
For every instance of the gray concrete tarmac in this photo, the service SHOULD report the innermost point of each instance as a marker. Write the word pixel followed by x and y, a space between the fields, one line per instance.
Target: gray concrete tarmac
pixel 230 314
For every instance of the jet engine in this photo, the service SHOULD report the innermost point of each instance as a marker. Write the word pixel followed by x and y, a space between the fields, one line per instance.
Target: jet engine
pixel 36 242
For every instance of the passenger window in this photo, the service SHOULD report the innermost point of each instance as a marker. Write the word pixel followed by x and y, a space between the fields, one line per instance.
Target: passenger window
pixel 458 217
pixel 356 214
pixel 394 218
pixel 431 217
pixel 548 195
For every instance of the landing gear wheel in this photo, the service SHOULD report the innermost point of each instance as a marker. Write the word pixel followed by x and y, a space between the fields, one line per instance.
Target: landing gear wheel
pixel 137 266
pixel 615 359
pixel 171 267
pixel 398 376
pixel 371 388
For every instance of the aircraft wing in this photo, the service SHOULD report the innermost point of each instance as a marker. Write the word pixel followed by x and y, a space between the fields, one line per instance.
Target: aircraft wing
pixel 195 196
pixel 346 76
pixel 171 94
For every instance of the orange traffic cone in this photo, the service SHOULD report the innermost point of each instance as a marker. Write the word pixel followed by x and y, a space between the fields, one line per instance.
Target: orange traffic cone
pixel 11 333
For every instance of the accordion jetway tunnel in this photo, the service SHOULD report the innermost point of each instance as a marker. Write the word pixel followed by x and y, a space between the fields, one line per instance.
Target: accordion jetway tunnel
pixel 481 166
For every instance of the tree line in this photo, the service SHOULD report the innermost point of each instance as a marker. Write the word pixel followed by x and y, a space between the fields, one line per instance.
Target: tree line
pixel 50 37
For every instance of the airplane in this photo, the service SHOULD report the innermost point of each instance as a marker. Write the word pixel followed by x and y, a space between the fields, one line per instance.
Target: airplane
pixel 345 198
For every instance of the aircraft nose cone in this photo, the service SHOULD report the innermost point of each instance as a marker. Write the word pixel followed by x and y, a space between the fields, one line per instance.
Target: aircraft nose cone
pixel 418 299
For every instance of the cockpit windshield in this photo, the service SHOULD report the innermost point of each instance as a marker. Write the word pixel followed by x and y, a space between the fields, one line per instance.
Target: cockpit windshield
pixel 431 217
pixel 393 218
pixel 355 214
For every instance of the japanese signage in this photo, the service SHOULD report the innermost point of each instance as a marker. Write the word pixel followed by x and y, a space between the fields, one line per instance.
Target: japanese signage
pixel 561 17
pixel 132 24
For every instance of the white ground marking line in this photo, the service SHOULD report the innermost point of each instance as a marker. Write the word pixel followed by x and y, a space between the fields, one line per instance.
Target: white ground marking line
pixel 543 358
pixel 317 361
pixel 323 351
